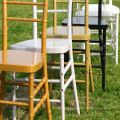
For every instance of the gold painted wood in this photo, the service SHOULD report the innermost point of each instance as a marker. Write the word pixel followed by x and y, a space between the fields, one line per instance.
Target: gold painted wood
pixel 2 88
pixel 78 52
pixel 31 102
pixel 78 32
pixel 24 19
pixel 38 105
pixel 24 3
pixel 13 103
pixel 24 61
pixel 39 86
pixel 65 63
pixel 78 81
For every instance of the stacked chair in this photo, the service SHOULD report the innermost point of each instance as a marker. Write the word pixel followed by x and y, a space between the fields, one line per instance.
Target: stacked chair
pixel 111 15
pixel 25 62
pixel 57 44
pixel 79 34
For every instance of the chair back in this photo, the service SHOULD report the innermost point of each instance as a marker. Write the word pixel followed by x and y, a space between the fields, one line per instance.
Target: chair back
pixel 43 20
pixel 67 10
pixel 85 2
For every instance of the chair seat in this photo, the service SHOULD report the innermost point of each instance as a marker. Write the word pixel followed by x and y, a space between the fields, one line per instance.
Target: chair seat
pixel 78 32
pixel 93 9
pixel 21 61
pixel 57 45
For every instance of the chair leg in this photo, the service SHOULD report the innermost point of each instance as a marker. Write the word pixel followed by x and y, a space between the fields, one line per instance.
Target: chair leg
pixel 91 76
pixel 87 60
pixel 51 72
pixel 2 89
pixel 74 83
pixel 46 90
pixel 31 104
pixel 48 102
pixel 13 97
pixel 83 47
pixel 62 87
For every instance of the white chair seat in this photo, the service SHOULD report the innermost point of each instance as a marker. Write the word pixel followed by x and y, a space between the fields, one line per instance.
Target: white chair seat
pixel 53 45
pixel 108 8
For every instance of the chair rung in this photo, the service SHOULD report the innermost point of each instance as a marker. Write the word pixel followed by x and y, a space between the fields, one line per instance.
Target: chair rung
pixel 79 64
pixel 79 52
pixel 39 86
pixel 40 103
pixel 67 66
pixel 18 83
pixel 37 100
pixel 53 67
pixel 68 81
pixel 53 80
pixel 78 81
pixel 24 19
pixel 13 103
pixel 73 1
pixel 52 11
pixel 78 1
pixel 24 3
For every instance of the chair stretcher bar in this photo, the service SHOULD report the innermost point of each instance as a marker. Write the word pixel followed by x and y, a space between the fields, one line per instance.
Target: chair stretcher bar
pixel 73 1
pixel 13 103
pixel 24 3
pixel 24 19
pixel 41 101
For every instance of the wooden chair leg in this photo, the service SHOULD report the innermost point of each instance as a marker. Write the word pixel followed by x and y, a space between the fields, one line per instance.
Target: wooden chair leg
pixel 91 77
pixel 90 72
pixel 31 104
pixel 48 101
pixel 42 94
pixel 2 89
pixel 87 54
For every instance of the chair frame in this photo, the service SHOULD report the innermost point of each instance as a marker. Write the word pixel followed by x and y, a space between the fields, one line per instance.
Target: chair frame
pixel 112 15
pixel 29 69
pixel 63 69
pixel 77 38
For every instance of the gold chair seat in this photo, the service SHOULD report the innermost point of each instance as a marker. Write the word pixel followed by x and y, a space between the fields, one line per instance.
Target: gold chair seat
pixel 78 33
pixel 21 61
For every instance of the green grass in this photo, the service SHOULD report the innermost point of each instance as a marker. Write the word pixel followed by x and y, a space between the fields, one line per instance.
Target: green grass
pixel 103 105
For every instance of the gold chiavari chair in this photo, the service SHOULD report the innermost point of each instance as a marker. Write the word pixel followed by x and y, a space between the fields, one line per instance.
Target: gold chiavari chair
pixel 25 62
pixel 79 34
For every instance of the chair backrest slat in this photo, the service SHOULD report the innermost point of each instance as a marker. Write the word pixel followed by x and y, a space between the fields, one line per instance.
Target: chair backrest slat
pixel 43 20
pixel 24 3
pixel 86 16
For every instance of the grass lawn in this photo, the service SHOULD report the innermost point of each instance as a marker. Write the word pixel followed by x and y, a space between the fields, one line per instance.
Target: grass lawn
pixel 103 105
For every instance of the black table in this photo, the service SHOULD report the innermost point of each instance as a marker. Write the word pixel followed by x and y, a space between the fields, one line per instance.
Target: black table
pixel 101 25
